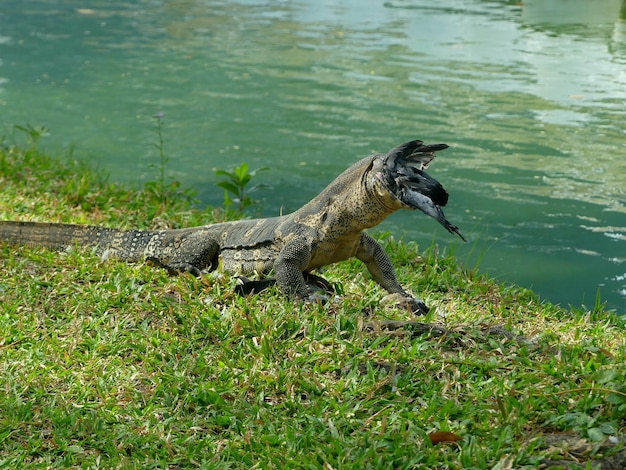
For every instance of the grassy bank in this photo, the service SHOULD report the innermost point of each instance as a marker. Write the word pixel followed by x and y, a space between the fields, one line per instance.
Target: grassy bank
pixel 115 365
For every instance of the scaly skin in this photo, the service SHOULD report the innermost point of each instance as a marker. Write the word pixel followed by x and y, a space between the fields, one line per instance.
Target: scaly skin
pixel 328 229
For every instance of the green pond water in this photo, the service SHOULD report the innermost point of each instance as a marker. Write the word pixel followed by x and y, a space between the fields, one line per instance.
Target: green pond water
pixel 530 96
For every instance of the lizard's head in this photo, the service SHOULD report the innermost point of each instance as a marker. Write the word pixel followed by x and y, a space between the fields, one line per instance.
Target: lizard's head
pixel 401 173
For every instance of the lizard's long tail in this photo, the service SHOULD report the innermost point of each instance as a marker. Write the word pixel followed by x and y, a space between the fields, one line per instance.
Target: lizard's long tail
pixel 128 245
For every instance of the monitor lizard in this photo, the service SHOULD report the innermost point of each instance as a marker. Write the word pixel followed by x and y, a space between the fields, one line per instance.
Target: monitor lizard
pixel 328 229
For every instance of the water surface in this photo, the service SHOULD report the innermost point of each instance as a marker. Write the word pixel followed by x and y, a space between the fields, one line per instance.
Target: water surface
pixel 531 98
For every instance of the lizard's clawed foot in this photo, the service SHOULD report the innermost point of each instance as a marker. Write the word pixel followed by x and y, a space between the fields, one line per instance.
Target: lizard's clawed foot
pixel 416 306
pixel 174 269
pixel 245 286
pixel 319 286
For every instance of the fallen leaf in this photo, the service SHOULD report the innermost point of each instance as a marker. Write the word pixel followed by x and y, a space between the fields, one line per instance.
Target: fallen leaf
pixel 443 436
pixel 606 352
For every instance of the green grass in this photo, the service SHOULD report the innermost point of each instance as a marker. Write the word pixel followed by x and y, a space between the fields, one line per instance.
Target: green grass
pixel 114 365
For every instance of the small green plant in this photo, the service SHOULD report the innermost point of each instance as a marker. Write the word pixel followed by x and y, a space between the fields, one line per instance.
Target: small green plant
pixel 236 188
pixel 166 193
pixel 33 133
pixel 160 183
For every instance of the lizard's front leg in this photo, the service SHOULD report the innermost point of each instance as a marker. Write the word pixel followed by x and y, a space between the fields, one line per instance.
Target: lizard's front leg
pixel 293 258
pixel 379 266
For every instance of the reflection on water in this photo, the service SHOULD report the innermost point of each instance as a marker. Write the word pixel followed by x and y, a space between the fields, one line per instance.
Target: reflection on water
pixel 531 97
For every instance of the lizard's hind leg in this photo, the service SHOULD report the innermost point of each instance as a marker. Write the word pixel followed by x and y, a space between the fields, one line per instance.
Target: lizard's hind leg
pixel 192 254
